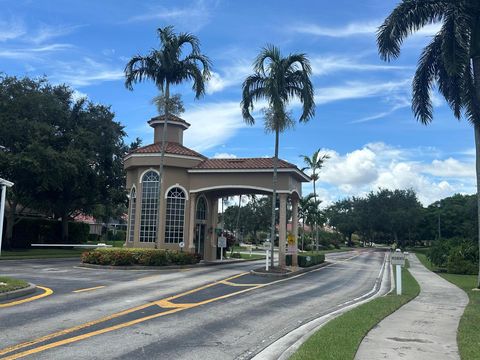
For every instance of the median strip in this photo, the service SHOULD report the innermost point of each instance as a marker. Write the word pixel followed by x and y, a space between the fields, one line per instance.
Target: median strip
pixel 46 292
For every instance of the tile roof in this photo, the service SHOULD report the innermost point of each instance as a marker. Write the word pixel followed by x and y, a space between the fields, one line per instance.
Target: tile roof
pixel 171 148
pixel 243 163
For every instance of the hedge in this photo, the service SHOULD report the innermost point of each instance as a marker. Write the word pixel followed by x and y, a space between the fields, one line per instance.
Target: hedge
pixel 306 260
pixel 133 256
pixel 29 231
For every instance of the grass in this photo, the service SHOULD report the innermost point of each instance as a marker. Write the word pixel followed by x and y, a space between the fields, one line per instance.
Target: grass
pixel 468 336
pixel 341 337
pixel 251 257
pixel 40 253
pixel 11 284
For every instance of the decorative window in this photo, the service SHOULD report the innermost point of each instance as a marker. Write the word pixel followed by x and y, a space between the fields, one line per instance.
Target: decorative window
pixel 149 214
pixel 175 215
pixel 131 216
pixel 201 209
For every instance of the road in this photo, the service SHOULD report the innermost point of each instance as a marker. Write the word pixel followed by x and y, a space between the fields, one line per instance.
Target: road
pixel 219 312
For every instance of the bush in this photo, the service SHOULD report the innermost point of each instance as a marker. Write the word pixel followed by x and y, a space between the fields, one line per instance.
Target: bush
pixel 457 255
pixel 146 257
pixel 236 255
pixel 307 259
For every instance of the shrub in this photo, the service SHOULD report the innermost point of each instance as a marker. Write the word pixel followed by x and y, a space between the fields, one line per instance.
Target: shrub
pixel 236 255
pixel 147 257
pixel 307 259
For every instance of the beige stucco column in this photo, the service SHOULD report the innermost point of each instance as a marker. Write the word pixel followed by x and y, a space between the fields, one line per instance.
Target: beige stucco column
pixel 282 230
pixel 191 228
pixel 213 225
pixel 295 228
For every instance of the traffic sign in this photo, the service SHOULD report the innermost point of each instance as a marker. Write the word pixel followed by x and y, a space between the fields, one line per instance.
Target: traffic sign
pixel 398 258
pixel 222 242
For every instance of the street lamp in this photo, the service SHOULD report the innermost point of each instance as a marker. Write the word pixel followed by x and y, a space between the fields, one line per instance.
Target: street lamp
pixel 439 227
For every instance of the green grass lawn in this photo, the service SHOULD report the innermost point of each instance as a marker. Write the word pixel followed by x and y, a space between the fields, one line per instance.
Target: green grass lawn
pixel 11 284
pixel 468 336
pixel 341 337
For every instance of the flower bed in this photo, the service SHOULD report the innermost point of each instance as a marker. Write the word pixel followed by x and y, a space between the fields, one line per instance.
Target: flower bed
pixel 146 257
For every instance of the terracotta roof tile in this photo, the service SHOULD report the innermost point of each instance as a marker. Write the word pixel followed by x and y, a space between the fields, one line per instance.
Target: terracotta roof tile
pixel 171 148
pixel 243 163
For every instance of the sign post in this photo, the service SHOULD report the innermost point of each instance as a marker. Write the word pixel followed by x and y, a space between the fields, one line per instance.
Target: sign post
pixel 222 243
pixel 398 259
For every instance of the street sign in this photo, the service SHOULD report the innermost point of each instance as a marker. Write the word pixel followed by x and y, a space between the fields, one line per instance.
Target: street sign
pixel 222 242
pixel 267 245
pixel 398 258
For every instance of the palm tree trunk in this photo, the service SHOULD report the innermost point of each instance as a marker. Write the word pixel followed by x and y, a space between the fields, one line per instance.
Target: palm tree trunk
pixel 476 72
pixel 315 225
pixel 162 156
pixel 274 197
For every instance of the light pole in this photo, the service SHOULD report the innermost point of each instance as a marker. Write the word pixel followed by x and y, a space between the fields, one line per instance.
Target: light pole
pixel 439 227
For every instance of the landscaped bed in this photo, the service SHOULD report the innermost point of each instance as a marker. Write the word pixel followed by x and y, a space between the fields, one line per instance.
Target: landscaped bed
pixel 132 256
pixel 341 337
pixel 8 284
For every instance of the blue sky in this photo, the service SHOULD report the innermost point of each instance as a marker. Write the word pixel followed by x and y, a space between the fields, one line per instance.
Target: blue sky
pixel 363 116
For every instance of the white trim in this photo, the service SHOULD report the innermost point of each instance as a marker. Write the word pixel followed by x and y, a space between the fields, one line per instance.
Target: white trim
pixel 283 170
pixel 219 187
pixel 170 122
pixel 179 186
pixel 145 171
pixel 166 155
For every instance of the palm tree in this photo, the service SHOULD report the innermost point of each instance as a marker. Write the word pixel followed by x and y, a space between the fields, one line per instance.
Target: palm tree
pixel 166 67
pixel 451 60
pixel 278 80
pixel 314 163
pixel 304 208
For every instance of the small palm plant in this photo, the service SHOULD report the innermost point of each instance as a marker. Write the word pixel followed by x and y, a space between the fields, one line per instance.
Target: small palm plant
pixel 278 80
pixel 451 60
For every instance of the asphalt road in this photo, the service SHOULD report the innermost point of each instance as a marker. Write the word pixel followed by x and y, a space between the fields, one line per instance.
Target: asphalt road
pixel 219 312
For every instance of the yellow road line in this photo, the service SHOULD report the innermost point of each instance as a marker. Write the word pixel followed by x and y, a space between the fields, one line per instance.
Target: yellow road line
pixel 46 290
pixel 88 289
pixel 87 335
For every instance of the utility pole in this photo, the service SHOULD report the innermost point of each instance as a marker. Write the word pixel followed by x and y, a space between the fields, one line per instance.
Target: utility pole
pixel 439 227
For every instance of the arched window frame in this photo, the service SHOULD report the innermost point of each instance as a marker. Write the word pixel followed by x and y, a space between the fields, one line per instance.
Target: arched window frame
pixel 204 199
pixel 149 209
pixel 175 215
pixel 131 214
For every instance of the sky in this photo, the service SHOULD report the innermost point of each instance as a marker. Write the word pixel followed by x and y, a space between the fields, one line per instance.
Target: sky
pixel 363 116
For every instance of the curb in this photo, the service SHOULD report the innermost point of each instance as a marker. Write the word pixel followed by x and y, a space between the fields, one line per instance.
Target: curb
pixel 30 289
pixel 284 347
pixel 168 267
pixel 289 274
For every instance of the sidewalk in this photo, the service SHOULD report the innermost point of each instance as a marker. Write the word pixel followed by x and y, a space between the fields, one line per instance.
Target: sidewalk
pixel 423 329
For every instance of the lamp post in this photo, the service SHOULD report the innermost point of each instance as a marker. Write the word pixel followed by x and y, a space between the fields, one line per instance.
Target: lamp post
pixel 3 185
pixel 439 227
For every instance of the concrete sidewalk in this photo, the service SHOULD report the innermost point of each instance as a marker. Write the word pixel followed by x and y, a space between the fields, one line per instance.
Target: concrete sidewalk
pixel 423 329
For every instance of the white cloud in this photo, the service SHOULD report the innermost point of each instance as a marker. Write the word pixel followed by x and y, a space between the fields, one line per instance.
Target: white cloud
pixel 196 15
pixel 32 53
pixel 224 156
pixel 378 165
pixel 11 29
pixel 355 29
pixel 212 124
pixel 324 65
pixel 47 32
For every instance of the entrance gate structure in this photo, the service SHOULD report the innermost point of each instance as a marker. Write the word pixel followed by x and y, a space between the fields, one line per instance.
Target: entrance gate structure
pixel 185 208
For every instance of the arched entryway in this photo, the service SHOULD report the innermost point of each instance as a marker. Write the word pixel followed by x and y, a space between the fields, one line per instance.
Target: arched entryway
pixel 200 225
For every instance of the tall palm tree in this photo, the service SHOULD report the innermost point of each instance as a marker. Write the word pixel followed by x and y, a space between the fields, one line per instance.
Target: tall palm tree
pixel 304 209
pixel 314 164
pixel 278 80
pixel 451 60
pixel 166 67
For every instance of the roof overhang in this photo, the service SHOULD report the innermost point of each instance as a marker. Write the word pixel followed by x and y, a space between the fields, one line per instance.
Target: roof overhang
pixel 154 122
pixel 140 155
pixel 226 171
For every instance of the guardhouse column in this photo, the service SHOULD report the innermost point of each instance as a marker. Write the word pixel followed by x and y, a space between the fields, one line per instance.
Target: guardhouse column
pixel 282 230
pixel 191 228
pixel 295 229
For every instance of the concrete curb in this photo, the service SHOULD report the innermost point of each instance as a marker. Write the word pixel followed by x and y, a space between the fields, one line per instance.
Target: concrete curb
pixel 168 267
pixel 30 289
pixel 286 346
pixel 289 274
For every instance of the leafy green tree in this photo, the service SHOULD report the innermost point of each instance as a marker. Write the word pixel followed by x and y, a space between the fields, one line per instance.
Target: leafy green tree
pixel 451 60
pixel 166 67
pixel 64 155
pixel 342 215
pixel 305 207
pixel 314 164
pixel 278 80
